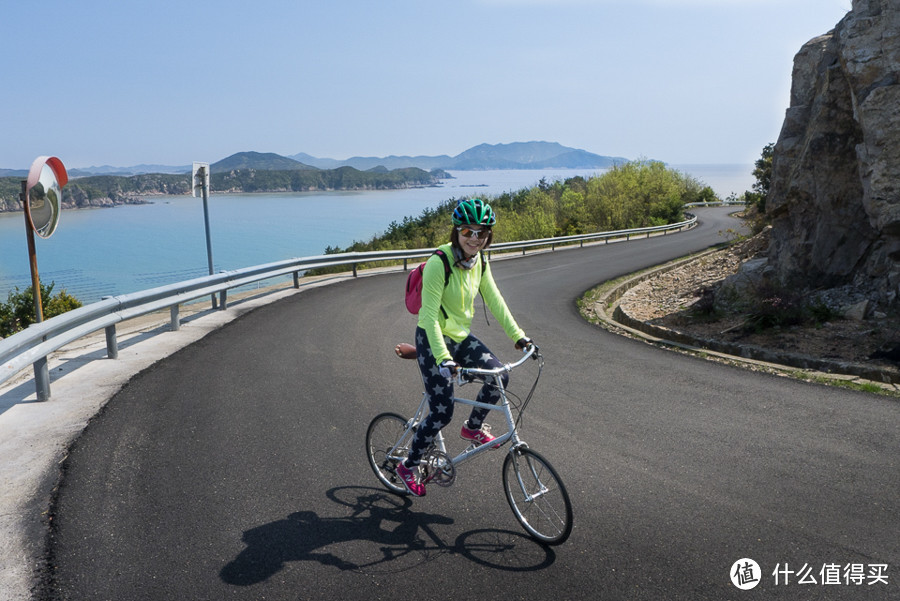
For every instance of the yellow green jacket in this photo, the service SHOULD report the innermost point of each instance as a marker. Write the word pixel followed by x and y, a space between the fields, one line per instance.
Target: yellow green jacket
pixel 458 301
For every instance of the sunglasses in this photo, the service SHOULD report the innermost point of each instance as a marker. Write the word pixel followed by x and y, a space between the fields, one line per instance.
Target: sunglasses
pixel 468 232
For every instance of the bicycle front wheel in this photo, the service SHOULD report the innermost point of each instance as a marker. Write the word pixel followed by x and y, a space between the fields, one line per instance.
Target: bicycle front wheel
pixel 537 496
pixel 387 443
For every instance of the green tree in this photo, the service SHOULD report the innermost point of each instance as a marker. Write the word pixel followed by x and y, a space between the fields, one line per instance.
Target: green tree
pixel 17 313
pixel 706 194
pixel 533 218
pixel 763 173
pixel 572 217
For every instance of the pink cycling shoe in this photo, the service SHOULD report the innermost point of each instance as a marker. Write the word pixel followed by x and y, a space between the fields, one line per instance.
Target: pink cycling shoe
pixel 480 436
pixel 409 477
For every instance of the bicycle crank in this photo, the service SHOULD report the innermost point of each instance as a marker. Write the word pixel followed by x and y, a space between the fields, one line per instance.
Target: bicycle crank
pixel 438 468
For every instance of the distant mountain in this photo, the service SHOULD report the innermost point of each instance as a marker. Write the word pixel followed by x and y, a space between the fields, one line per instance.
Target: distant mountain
pixel 261 161
pixel 316 162
pixel 135 170
pixel 365 163
pixel 517 155
pixel 577 159
pixel 399 162
pixel 522 153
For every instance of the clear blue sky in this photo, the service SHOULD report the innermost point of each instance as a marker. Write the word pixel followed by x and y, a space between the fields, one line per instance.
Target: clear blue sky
pixel 124 82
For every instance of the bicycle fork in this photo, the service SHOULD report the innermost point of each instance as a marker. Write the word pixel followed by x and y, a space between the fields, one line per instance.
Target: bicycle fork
pixel 530 497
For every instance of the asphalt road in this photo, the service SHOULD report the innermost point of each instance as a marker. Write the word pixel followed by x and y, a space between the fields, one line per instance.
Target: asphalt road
pixel 235 468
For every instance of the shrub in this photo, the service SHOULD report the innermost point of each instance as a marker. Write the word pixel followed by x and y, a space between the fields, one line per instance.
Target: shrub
pixel 17 313
pixel 780 307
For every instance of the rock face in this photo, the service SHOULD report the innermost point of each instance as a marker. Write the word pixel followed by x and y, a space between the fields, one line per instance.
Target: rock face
pixel 835 191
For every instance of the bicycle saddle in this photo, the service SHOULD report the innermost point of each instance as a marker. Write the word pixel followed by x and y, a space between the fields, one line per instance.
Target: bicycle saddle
pixel 405 350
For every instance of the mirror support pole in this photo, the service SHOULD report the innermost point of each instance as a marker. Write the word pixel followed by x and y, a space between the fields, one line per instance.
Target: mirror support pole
pixel 41 371
pixel 32 258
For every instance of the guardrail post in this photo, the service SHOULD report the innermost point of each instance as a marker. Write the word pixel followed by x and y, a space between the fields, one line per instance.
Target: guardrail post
pixel 42 379
pixel 174 320
pixel 404 264
pixel 112 345
pixel 296 279
pixel 223 300
pixel 354 270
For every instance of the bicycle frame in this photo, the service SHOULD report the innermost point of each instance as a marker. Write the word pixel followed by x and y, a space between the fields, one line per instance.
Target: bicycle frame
pixel 502 405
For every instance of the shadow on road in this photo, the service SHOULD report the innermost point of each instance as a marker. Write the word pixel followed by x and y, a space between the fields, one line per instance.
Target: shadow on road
pixel 382 534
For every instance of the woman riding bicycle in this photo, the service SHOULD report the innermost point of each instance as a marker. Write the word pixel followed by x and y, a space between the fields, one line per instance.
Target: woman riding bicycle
pixel 443 340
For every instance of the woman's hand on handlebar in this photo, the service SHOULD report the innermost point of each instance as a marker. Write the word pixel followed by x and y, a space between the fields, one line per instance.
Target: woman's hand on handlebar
pixel 449 368
pixel 524 342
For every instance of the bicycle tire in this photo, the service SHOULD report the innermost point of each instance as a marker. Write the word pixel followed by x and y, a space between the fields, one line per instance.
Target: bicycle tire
pixel 547 517
pixel 384 431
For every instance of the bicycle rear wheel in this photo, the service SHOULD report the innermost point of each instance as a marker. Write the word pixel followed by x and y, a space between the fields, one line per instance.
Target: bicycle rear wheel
pixel 388 431
pixel 537 496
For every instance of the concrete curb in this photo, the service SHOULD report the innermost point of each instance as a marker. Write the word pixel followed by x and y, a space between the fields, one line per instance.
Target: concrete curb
pixel 607 309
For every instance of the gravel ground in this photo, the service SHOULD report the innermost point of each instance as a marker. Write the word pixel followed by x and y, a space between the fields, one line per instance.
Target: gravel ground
pixel 675 299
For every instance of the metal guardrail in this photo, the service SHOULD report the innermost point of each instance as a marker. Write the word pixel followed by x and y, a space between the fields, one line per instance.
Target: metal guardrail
pixel 34 344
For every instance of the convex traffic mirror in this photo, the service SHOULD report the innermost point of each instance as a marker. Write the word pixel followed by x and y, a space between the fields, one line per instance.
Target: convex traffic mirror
pixel 44 194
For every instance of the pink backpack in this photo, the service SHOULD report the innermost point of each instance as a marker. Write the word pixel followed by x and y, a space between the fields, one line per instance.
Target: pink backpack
pixel 414 283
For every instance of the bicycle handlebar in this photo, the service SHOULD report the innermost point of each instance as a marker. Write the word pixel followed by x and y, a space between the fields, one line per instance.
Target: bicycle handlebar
pixel 529 352
pixel 408 351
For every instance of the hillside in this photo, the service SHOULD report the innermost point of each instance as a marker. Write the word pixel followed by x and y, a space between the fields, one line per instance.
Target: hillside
pixel 264 161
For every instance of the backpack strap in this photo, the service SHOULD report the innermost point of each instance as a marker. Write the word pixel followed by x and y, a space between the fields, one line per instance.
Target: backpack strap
pixel 483 304
pixel 446 261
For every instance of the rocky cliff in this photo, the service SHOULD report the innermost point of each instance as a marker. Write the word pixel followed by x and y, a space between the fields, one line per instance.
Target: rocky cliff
pixel 835 192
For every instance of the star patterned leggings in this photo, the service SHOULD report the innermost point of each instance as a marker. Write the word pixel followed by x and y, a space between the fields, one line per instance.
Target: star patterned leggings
pixel 471 352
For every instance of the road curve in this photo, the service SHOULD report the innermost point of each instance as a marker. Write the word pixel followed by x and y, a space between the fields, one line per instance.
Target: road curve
pixel 235 468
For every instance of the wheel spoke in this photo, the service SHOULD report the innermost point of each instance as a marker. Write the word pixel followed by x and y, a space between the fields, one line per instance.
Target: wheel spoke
pixel 387 441
pixel 537 496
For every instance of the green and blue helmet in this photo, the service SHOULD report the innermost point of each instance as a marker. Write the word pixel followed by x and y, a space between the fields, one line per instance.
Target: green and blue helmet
pixel 474 211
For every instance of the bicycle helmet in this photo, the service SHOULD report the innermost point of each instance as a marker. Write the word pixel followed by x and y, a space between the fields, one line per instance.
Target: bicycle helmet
pixel 474 212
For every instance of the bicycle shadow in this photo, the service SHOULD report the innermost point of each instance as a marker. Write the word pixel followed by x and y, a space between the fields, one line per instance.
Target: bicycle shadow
pixel 401 539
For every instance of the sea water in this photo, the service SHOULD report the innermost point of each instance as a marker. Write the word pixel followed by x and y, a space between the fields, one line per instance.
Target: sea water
pixel 109 251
